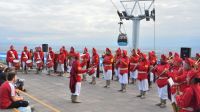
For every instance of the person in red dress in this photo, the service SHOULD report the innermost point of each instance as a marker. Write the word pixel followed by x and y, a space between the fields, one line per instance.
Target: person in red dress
pixel 162 73
pixel 75 78
pixel 134 58
pixel 39 57
pixel 11 56
pixel 142 68
pixel 176 70
pixel 61 60
pixel 94 65
pixel 153 62
pixel 107 64
pixel 25 56
pixel 71 57
pixel 123 70
pixel 50 60
pixel 66 57
pixel 85 60
pixel 117 57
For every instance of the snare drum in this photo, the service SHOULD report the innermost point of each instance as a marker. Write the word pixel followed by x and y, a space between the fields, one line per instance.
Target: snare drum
pixel 91 71
pixel 29 63
pixel 16 63
pixel 39 63
pixel 50 64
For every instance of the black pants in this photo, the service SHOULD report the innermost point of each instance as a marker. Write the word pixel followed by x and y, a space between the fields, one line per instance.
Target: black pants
pixel 18 104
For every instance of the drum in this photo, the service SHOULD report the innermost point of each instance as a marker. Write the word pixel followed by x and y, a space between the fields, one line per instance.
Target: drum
pixel 29 63
pixel 16 63
pixel 39 63
pixel 50 64
pixel 91 71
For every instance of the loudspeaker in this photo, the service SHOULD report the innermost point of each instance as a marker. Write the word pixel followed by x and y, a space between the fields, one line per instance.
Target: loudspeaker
pixel 45 47
pixel 185 52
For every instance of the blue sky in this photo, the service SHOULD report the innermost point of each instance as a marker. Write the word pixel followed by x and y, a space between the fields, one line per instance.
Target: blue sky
pixel 94 23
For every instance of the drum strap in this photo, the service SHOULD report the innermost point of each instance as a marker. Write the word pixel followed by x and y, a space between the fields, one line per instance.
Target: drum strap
pixel 50 57
pixel 25 55
pixel 12 54
pixel 38 55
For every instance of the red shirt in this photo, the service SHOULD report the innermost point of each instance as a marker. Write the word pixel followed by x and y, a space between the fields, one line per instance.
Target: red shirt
pixel 25 56
pixel 116 61
pixel 61 58
pixel 76 66
pixel 133 61
pixel 95 60
pixel 51 56
pixel 162 77
pixel 142 68
pixel 86 59
pixel 11 55
pixel 107 62
pixel 124 65
pixel 38 56
pixel 5 95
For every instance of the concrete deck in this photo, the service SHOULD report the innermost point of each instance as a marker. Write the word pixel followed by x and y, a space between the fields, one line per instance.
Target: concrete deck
pixel 54 91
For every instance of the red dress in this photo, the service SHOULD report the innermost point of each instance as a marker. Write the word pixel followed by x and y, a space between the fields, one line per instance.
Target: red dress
pixel 75 75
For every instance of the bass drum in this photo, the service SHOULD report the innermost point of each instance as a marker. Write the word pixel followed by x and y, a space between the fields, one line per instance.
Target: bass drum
pixel 122 39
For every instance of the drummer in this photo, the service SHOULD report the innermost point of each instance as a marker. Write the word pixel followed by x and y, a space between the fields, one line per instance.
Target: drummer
pixel 38 57
pixel 11 56
pixel 25 56
pixel 50 60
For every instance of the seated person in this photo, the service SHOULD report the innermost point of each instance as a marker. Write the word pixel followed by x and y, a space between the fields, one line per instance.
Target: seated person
pixel 8 96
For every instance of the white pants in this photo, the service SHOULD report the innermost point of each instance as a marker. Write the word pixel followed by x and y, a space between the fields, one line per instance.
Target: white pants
pixel 143 85
pixel 123 79
pixel 163 93
pixel 77 89
pixel 134 74
pixel 108 75
pixel 116 72
pixel 95 73
pixel 10 64
pixel 23 65
pixel 60 68
pixel 69 68
pixel 151 76
pixel 173 98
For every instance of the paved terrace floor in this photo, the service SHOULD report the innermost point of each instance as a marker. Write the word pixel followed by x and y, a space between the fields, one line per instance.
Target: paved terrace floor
pixel 54 91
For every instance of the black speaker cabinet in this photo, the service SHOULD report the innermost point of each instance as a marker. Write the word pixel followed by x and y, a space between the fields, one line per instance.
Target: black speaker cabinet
pixel 45 47
pixel 185 52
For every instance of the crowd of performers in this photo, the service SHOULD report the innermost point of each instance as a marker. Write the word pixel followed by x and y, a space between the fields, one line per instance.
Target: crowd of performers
pixel 177 79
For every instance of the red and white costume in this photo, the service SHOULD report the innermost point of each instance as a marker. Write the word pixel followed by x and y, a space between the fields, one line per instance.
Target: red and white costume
pixel 61 60
pixel 71 57
pixel 134 58
pixel 75 76
pixel 142 68
pixel 11 55
pixel 123 68
pixel 107 64
pixel 25 56
pixel 117 57
pixel 50 59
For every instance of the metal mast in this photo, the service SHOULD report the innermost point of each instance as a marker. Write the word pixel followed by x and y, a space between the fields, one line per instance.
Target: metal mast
pixel 137 10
